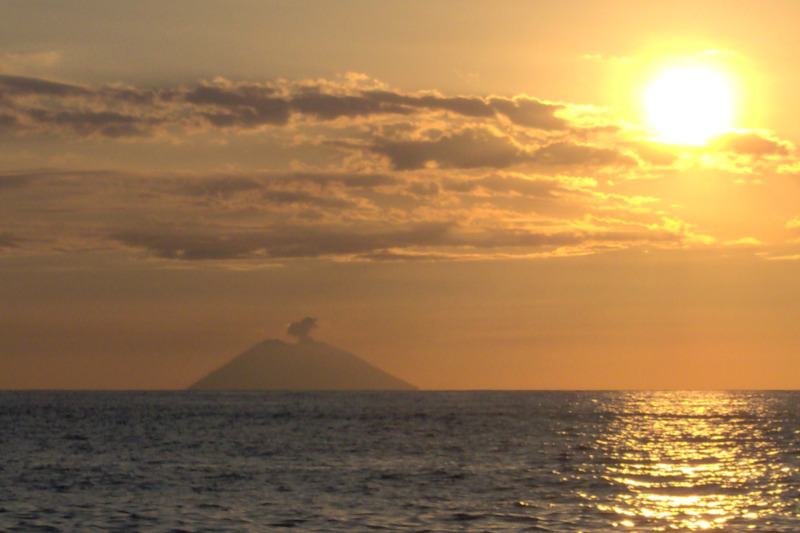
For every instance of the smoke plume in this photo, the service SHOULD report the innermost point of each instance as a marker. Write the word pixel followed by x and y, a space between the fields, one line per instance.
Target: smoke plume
pixel 302 328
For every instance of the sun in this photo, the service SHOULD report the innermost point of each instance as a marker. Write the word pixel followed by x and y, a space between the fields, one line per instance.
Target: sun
pixel 688 105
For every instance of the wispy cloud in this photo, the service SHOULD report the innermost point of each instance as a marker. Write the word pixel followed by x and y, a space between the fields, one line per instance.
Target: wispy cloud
pixel 373 174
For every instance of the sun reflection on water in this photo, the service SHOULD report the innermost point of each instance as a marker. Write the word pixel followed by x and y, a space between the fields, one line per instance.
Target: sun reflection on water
pixel 690 461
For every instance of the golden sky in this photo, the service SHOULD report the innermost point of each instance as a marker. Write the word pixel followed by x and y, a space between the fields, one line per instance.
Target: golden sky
pixel 504 195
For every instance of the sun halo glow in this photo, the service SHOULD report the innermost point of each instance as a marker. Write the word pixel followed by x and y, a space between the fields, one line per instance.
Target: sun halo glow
pixel 688 105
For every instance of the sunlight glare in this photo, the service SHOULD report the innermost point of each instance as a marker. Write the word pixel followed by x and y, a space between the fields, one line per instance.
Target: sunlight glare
pixel 684 469
pixel 688 105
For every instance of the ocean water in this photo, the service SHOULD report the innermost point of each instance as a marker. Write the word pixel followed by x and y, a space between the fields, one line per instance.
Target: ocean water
pixel 407 461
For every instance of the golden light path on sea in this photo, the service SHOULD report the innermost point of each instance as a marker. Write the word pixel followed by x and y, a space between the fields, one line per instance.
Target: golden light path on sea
pixel 692 461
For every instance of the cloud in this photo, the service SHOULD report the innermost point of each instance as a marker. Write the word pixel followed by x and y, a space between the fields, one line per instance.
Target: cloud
pixel 8 240
pixel 507 184
pixel 337 170
pixel 365 123
pixel 305 198
pixel 14 180
pixel 280 242
pixel 270 217
pixel 470 148
pixel 242 105
pixel 223 187
pixel 752 143
pixel 485 148
pixel 350 180
pixel 7 121
pixel 521 110
pixel 568 153
pixel 404 103
pixel 27 86
pixel 250 105
pixel 654 154
pixel 745 241
pixel 104 123
pixel 270 184
pixel 301 329
pixel 331 106
pixel 419 188
pixel 531 113
pixel 34 103
pixel 43 105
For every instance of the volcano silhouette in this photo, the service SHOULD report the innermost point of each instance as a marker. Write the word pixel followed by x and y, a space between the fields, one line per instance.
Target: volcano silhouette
pixel 307 365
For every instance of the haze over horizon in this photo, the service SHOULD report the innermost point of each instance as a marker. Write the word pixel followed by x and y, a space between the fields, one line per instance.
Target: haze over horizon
pixel 468 196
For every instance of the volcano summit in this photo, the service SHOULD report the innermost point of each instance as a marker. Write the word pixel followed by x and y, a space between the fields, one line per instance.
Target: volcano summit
pixel 305 365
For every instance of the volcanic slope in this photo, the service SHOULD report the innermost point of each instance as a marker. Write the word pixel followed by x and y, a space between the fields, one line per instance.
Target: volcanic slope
pixel 306 365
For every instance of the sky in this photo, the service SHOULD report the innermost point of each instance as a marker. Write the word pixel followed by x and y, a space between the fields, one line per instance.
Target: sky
pixel 468 195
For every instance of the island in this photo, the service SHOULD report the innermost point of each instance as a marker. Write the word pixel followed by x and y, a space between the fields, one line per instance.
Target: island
pixel 306 365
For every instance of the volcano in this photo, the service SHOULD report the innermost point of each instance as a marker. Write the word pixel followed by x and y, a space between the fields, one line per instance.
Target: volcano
pixel 303 366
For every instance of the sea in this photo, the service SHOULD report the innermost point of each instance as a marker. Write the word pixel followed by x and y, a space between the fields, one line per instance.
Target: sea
pixel 412 461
